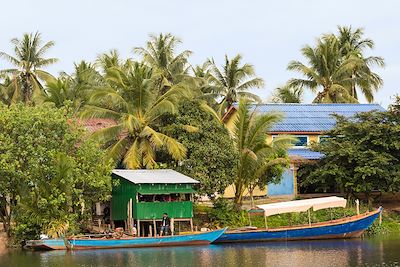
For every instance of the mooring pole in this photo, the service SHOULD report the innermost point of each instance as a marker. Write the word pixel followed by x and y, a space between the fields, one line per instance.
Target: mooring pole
pixel 309 217
pixel 358 206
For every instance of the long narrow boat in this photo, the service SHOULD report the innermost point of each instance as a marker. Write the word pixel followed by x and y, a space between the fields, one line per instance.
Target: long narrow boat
pixel 204 238
pixel 350 227
pixel 46 244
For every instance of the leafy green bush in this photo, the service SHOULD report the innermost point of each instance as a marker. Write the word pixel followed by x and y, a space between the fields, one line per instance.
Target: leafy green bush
pixel 224 214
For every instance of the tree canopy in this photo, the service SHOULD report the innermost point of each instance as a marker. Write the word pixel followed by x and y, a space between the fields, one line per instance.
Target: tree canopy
pixel 211 157
pixel 361 154
pixel 49 175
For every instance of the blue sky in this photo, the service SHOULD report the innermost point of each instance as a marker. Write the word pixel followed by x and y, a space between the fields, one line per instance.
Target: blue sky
pixel 267 33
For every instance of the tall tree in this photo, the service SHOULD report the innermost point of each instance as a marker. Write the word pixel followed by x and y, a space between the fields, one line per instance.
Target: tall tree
pixel 134 104
pixel 28 61
pixel 73 90
pixel 257 157
pixel 337 65
pixel 326 70
pixel 287 94
pixel 353 43
pixel 234 80
pixel 206 161
pixel 160 53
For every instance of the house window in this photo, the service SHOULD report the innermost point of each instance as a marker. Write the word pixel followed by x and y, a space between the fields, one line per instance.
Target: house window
pixel 302 140
pixel 322 138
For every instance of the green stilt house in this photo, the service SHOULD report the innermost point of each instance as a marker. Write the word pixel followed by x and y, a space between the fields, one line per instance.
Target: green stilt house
pixel 141 197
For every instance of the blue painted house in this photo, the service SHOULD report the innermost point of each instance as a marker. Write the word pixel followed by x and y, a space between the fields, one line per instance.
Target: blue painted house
pixel 306 122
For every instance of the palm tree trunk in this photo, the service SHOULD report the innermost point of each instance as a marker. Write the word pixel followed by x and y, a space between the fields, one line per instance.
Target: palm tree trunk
pixel 251 190
pixel 238 200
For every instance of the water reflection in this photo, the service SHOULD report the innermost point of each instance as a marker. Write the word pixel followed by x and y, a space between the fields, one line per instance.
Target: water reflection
pixel 314 253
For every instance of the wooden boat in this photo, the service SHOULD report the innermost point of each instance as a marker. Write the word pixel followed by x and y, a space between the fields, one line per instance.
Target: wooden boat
pixel 350 227
pixel 203 238
pixel 88 242
pixel 45 244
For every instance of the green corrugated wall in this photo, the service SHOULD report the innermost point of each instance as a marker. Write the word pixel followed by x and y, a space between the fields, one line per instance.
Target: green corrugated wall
pixel 125 190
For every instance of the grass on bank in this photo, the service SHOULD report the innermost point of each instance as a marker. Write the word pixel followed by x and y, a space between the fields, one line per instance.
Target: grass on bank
pixel 223 214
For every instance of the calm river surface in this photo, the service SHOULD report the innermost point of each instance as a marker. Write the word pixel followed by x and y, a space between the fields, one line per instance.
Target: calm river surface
pixel 367 252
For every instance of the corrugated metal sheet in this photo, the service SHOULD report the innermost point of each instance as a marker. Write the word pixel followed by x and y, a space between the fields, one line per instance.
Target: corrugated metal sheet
pixel 305 153
pixel 154 177
pixel 312 117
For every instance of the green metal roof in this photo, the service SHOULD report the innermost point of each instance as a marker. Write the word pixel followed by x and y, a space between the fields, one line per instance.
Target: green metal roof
pixel 156 191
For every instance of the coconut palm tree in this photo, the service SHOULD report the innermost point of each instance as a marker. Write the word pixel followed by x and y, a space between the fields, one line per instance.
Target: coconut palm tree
pixel 28 61
pixel 256 155
pixel 326 70
pixel 73 90
pixel 352 43
pixel 132 101
pixel 169 68
pixel 287 94
pixel 233 81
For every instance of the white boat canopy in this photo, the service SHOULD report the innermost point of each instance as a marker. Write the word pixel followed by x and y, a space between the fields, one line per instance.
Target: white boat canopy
pixel 303 205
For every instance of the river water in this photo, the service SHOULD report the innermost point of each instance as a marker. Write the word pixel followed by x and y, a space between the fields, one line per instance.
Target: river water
pixel 356 252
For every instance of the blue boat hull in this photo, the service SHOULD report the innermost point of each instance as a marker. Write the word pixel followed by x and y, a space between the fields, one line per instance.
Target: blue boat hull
pixel 46 244
pixel 337 229
pixel 178 240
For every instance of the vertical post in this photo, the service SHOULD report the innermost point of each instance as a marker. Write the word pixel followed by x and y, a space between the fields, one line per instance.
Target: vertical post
pixel 380 217
pixel 150 230
pixel 191 224
pixel 172 226
pixel 358 206
pixel 265 220
pixel 248 213
pixel 138 228
pixel 309 217
pixel 155 227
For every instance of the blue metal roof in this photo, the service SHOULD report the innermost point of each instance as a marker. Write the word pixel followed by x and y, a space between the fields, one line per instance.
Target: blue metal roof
pixel 305 153
pixel 312 117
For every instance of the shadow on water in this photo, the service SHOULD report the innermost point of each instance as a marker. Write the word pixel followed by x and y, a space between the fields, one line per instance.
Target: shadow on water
pixel 357 252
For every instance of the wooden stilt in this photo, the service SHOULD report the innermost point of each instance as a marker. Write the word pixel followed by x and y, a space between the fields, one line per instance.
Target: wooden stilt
pixel 172 226
pixel 138 228
pixel 248 214
pixel 155 228
pixel 150 231
pixel 265 221
pixel 191 224
pixel 309 217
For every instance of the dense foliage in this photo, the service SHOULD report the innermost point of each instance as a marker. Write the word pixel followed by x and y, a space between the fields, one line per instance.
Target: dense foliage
pixel 211 157
pixel 361 154
pixel 49 176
